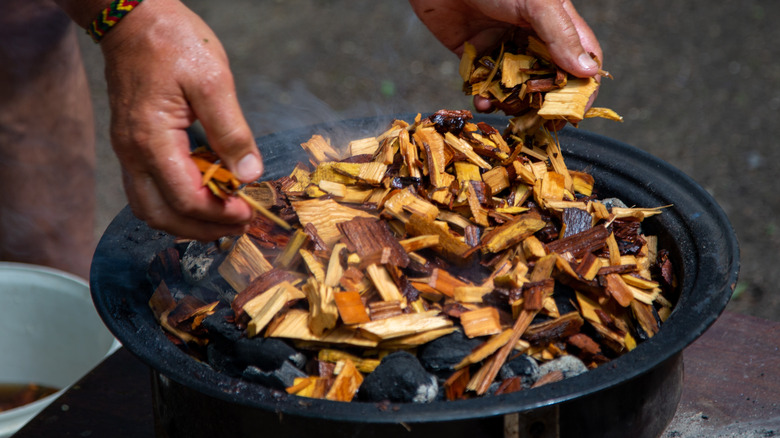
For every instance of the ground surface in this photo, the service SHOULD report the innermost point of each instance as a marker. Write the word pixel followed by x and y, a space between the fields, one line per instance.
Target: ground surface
pixel 698 83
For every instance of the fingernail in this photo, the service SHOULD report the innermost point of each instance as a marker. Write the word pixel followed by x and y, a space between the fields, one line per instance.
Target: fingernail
pixel 249 168
pixel 587 62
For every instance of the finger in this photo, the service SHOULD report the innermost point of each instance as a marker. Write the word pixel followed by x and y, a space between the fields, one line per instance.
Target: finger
pixel 149 205
pixel 482 104
pixel 215 104
pixel 587 37
pixel 160 163
pixel 558 25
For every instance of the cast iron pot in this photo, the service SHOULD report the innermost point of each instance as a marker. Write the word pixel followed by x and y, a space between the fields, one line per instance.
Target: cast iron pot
pixel 635 395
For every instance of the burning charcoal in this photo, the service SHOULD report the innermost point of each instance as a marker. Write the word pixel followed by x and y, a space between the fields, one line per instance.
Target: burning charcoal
pixel 221 327
pixel 267 353
pixel 280 378
pixel 522 366
pixel 569 365
pixel 222 359
pixel 444 353
pixel 399 378
pixel 196 261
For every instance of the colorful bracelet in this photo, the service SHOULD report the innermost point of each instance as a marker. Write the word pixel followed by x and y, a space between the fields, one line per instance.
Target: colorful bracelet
pixel 109 17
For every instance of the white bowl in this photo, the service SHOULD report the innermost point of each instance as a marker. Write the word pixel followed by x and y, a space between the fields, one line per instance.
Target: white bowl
pixel 50 334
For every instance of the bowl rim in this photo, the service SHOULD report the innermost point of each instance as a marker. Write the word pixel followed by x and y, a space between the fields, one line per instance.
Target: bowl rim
pixel 12 420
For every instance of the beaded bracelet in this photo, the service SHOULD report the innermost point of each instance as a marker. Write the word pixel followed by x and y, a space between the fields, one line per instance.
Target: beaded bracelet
pixel 109 17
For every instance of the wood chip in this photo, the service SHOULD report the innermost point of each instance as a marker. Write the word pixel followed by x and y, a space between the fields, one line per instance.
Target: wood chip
pixel 244 263
pixel 405 324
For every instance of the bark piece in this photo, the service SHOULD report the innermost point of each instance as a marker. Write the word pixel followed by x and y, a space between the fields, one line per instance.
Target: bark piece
pixel 325 215
pixel 371 236
pixel 384 309
pixel 581 243
pixel 553 330
pixel 162 301
pixel 455 385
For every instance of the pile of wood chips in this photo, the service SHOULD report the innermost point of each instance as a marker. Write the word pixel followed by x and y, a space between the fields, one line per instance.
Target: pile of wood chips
pixel 433 226
pixel 427 228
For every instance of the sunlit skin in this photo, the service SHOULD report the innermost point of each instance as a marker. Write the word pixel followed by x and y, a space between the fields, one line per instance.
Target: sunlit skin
pixel 482 23
pixel 165 68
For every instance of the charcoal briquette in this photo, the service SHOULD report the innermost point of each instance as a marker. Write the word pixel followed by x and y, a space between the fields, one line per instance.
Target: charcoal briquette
pixel 569 365
pixel 280 378
pixel 267 353
pixel 221 328
pixel 522 366
pixel 444 353
pixel 399 378
pixel 222 360
pixel 196 261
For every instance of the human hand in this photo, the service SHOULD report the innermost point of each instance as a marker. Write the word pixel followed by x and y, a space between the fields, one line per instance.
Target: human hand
pixel 165 68
pixel 482 23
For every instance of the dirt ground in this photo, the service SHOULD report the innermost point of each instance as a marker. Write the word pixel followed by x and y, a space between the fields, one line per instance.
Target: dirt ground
pixel 698 85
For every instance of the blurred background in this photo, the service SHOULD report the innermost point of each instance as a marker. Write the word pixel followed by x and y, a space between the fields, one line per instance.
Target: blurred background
pixel 698 85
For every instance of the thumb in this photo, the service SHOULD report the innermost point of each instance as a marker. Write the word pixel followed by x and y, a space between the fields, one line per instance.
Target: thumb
pixel 566 34
pixel 227 131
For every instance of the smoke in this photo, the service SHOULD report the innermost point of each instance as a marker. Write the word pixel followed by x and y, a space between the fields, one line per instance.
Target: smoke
pixel 274 108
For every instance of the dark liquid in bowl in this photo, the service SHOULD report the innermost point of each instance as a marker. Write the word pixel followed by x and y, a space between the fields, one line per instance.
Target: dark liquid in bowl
pixel 13 395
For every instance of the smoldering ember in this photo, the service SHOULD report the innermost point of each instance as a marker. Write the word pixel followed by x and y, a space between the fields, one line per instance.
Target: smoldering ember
pixel 438 260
